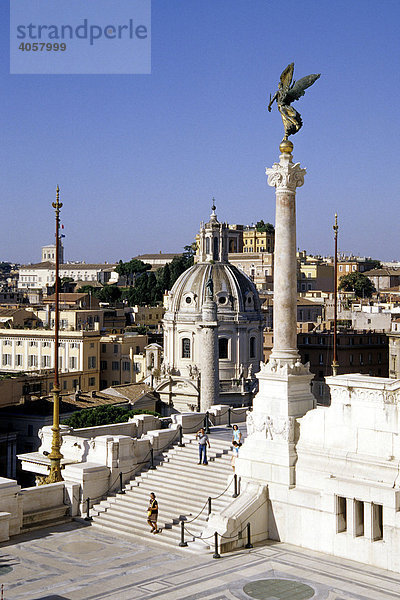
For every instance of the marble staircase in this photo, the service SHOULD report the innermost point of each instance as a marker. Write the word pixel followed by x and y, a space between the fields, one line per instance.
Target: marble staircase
pixel 182 488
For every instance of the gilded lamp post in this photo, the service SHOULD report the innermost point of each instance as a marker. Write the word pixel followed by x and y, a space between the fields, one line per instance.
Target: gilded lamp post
pixel 55 455
pixel 335 363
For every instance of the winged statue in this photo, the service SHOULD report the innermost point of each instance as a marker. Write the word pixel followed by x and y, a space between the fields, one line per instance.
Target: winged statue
pixel 286 93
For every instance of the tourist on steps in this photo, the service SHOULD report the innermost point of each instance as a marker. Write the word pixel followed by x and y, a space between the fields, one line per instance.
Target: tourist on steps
pixel 152 513
pixel 203 443
pixel 236 435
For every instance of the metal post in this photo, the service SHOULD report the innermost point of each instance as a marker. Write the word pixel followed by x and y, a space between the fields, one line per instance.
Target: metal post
pixel 335 363
pixel 152 459
pixel 121 484
pixel 216 553
pixel 209 505
pixel 235 493
pixel 182 543
pixel 229 417
pixel 180 444
pixel 249 544
pixel 206 423
pixel 88 517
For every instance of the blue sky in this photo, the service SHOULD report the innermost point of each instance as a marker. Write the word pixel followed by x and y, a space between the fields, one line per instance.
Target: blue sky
pixel 139 157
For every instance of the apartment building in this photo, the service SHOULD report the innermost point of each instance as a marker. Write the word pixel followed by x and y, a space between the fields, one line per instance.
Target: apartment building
pixel 121 358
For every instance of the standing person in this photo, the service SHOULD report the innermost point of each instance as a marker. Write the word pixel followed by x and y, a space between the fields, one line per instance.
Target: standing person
pixel 152 513
pixel 203 443
pixel 236 435
pixel 235 453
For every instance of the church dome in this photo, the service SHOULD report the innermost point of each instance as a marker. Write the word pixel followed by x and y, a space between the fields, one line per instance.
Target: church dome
pixel 234 293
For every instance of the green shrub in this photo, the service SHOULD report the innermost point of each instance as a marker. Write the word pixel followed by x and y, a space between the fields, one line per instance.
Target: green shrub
pixel 104 415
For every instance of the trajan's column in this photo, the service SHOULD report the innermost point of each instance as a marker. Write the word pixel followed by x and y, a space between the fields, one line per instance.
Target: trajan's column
pixel 269 452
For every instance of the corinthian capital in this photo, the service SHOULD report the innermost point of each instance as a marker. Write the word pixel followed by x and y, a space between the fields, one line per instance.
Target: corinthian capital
pixel 285 176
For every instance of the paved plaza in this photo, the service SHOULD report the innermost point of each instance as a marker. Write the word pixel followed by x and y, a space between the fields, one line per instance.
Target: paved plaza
pixel 78 562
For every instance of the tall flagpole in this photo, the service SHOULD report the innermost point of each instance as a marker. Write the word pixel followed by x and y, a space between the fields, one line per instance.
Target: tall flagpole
pixel 335 363
pixel 55 455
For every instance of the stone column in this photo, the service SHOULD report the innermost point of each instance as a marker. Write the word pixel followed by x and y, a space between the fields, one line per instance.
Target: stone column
pixel 269 452
pixel 209 393
pixel 285 177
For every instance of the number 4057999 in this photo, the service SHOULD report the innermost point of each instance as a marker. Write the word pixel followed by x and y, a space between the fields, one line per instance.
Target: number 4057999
pixel 42 47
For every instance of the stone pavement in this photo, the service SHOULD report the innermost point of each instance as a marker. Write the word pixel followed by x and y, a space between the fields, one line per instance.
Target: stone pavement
pixel 77 562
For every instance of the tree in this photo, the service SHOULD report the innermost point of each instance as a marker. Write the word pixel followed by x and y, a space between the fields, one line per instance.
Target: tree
pixel 132 269
pixel 358 283
pixel 104 415
pixel 265 227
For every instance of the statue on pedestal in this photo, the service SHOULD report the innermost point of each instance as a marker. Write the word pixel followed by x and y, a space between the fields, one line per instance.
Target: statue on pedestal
pixel 286 93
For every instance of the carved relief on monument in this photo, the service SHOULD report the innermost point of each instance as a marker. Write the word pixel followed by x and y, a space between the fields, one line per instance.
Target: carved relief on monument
pixel 276 428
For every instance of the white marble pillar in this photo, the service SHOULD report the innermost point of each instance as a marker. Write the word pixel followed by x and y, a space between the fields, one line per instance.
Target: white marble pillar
pixel 269 452
pixel 285 177
pixel 209 391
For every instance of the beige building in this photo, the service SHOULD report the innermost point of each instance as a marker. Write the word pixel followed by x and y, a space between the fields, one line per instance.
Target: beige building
pixel 32 351
pixel 259 266
pixel 314 274
pixel 258 241
pixel 121 359
pixel 148 316
pixel 41 275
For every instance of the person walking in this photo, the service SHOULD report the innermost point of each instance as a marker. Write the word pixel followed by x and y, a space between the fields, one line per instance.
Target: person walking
pixel 235 453
pixel 236 435
pixel 202 437
pixel 152 513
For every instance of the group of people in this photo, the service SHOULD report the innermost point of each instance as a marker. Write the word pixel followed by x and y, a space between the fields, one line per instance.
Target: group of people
pixel 204 442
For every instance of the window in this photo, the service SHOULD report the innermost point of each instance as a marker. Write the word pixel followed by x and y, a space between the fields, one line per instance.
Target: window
pixel 64 385
pixel 351 359
pixel 115 348
pixel 361 359
pixel 185 348
pixel 341 514
pixel 252 348
pixel 92 381
pixel 32 360
pixel 18 360
pixel 91 362
pixel 379 358
pixel 115 365
pixel 73 362
pixel 223 348
pixel 103 348
pixel 103 365
pixel 45 361
pixel 321 359
pixel 126 366
pixel 369 358
pixel 6 359
pixel 358 517
pixel 75 384
pixel 46 344
pixel 32 344
pixel 74 345
pixel 19 343
pixel 377 522
pixel 92 344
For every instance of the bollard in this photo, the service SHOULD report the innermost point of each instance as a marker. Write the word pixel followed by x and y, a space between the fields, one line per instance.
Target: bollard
pixel 121 484
pixel 235 483
pixel 249 544
pixel 206 423
pixel 229 417
pixel 216 554
pixel 209 505
pixel 152 459
pixel 180 444
pixel 182 543
pixel 88 517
